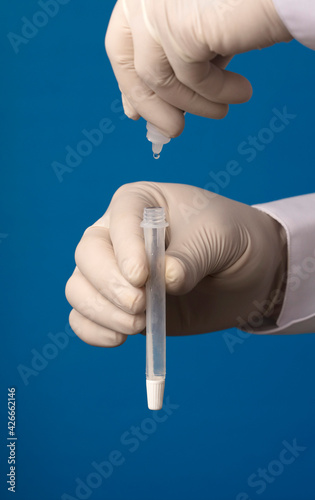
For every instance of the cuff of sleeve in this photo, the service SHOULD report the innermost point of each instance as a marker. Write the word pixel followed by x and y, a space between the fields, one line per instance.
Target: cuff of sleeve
pixel 299 19
pixel 297 216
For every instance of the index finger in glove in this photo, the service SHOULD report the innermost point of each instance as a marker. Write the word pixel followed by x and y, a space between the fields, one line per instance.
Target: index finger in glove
pixel 210 81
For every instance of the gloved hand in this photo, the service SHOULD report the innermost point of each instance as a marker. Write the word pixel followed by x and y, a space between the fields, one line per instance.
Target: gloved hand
pixel 168 55
pixel 222 259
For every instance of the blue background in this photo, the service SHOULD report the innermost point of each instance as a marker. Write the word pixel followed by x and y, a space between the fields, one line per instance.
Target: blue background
pixel 234 409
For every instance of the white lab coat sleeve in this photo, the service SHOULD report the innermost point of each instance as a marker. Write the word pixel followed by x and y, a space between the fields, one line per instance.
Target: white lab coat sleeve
pixel 299 18
pixel 297 216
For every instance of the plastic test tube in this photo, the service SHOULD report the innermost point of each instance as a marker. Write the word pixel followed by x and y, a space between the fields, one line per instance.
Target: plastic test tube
pixel 154 225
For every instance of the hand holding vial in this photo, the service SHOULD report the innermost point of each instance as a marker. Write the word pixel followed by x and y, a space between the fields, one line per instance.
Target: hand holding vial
pixel 222 257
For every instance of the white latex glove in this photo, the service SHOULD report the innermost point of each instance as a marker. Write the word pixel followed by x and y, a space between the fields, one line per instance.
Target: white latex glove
pixel 167 55
pixel 222 259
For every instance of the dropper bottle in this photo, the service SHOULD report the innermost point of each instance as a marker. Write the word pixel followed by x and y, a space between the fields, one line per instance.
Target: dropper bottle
pixel 158 140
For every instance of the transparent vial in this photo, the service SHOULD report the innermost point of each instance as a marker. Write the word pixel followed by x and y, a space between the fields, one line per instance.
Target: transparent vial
pixel 154 225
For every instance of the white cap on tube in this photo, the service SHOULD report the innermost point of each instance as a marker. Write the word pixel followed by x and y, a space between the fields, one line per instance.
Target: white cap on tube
pixel 155 393
pixel 158 140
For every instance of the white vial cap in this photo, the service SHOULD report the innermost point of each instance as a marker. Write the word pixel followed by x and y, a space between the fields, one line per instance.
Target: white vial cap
pixel 155 393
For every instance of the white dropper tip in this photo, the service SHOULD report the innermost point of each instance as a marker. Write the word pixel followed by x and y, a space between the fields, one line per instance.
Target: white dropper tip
pixel 158 140
pixel 155 393
pixel 156 148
